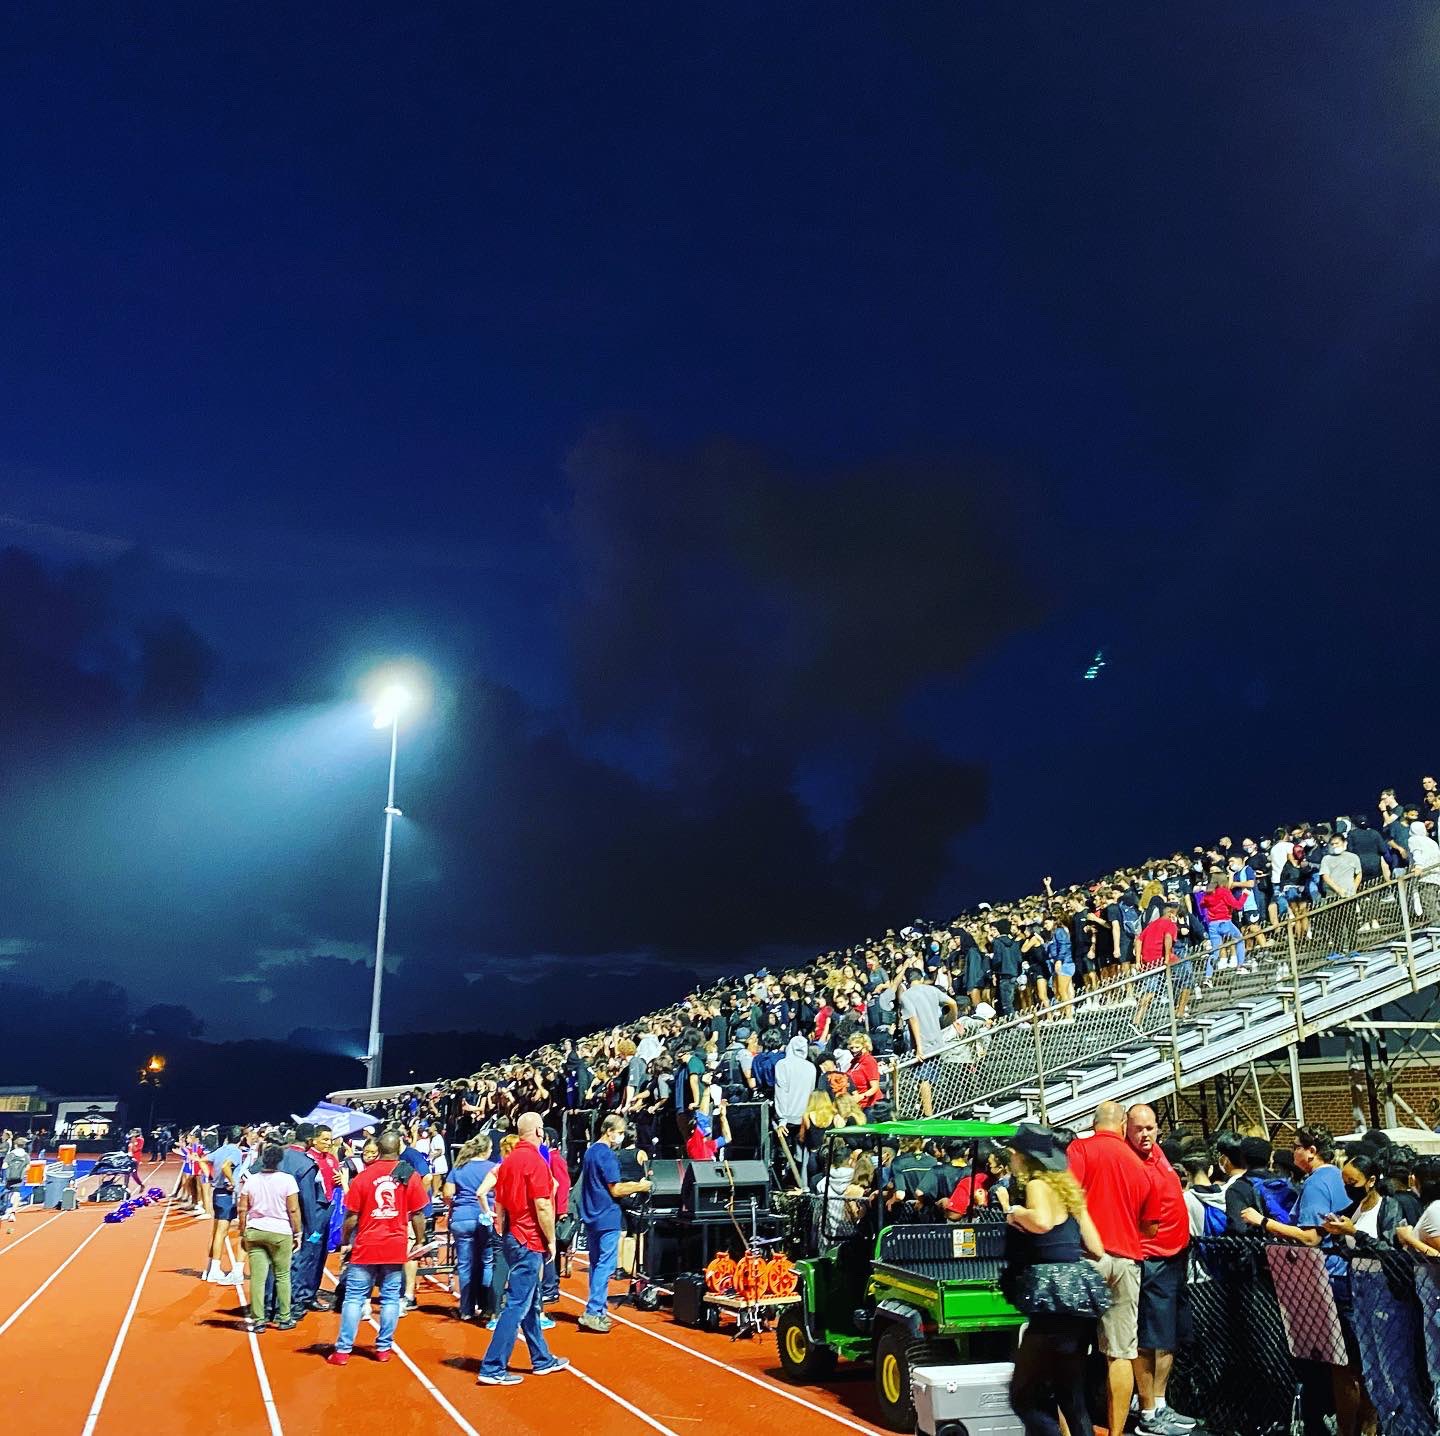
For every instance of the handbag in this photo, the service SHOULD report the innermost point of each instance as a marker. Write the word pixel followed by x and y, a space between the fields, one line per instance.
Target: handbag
pixel 565 1230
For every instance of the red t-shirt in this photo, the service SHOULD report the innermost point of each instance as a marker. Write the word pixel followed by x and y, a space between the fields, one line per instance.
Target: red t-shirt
pixel 523 1179
pixel 561 1173
pixel 382 1236
pixel 700 1148
pixel 864 1073
pixel 1152 940
pixel 1174 1232
pixel 137 1147
pixel 329 1165
pixel 1118 1191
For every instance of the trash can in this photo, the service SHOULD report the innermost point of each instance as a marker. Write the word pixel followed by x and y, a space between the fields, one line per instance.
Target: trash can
pixel 57 1178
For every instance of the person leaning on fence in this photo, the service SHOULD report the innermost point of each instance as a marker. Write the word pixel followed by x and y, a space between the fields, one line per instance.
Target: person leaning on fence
pixel 1323 1388
pixel 1125 1206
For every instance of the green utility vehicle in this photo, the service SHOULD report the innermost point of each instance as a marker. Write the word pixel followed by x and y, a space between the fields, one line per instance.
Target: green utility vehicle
pixel 899 1286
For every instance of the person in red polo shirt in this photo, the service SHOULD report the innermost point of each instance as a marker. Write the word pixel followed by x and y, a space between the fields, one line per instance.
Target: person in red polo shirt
pixel 864 1073
pixel 525 1226
pixel 1164 1296
pixel 1125 1208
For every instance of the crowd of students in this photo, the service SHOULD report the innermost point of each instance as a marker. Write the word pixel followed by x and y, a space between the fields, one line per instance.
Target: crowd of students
pixel 855 1010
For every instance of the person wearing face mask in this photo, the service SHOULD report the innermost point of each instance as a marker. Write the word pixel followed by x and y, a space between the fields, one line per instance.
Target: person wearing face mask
pixel 1371 1215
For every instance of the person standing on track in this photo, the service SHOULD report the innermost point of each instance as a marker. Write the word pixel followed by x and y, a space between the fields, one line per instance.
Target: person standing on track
pixel 382 1211
pixel 301 1165
pixel 312 1255
pixel 269 1217
pixel 223 1161
pixel 600 1187
pixel 525 1226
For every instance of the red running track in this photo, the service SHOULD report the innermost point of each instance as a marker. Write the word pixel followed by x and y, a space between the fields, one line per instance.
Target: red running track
pixel 109 1330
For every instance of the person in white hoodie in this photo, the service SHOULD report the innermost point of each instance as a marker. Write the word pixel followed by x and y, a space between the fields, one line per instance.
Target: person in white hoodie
pixel 794 1082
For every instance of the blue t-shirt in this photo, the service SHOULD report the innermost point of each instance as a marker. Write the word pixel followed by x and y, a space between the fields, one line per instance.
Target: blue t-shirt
pixel 1322 1193
pixel 422 1167
pixel 598 1173
pixel 467 1180
pixel 228 1152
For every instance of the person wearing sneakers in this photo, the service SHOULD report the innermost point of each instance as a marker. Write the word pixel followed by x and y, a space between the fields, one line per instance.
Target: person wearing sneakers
pixel 223 1160
pixel 384 1207
pixel 525 1228
pixel 268 1219
pixel 600 1211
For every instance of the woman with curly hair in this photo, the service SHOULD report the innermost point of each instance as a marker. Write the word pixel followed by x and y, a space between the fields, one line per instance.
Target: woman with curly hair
pixel 1047 1277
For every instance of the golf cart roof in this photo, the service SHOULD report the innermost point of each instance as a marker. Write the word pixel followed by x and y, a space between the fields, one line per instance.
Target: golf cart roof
pixel 941 1127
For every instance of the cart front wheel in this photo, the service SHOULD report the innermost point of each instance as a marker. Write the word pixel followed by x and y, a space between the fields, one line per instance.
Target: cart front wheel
pixel 800 1358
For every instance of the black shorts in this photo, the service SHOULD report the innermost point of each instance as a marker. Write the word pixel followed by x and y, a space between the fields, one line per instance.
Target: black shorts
pixel 1164 1303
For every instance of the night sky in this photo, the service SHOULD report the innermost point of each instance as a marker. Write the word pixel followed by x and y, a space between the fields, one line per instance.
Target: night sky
pixel 754 419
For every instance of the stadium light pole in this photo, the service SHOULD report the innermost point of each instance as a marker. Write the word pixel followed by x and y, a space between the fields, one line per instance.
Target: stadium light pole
pixel 392 703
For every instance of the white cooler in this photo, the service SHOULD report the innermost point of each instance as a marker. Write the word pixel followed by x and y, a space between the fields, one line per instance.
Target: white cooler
pixel 972 1400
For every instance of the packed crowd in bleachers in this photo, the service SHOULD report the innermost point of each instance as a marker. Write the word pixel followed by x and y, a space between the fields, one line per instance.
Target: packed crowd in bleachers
pixel 849 1013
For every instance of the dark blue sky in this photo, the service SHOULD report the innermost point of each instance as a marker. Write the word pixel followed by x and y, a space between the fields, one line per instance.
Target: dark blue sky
pixel 757 420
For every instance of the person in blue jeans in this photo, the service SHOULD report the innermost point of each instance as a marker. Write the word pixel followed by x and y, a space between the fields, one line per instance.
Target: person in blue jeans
pixel 384 1210
pixel 525 1224
pixel 472 1225
pixel 600 1211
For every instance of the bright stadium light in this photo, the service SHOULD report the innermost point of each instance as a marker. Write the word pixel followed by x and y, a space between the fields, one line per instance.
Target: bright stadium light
pixel 393 702
pixel 393 699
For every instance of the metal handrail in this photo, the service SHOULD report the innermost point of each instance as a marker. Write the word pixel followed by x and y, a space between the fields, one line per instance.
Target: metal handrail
pixel 1017 1056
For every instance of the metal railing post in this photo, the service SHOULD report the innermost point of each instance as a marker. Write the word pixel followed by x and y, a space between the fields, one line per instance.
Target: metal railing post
pixel 1403 898
pixel 1039 1062
pixel 1295 979
pixel 1174 1026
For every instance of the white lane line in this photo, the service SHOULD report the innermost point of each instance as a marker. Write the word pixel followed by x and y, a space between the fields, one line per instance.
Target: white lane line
pixel 11 1247
pixel 439 1396
pixel 735 1371
pixel 619 1400
pixel 272 1415
pixel 40 1290
pixel 109 1372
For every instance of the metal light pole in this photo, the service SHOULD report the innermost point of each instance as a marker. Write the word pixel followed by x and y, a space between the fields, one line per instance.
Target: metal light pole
pixel 391 704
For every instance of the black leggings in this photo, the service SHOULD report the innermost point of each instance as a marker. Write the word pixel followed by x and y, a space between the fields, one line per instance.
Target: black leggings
pixel 1050 1375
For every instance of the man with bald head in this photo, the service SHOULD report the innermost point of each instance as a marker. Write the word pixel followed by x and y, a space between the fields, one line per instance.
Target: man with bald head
pixel 525 1226
pixel 1125 1207
pixel 1164 1311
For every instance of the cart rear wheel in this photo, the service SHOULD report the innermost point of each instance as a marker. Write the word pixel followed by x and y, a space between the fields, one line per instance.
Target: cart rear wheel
pixel 800 1358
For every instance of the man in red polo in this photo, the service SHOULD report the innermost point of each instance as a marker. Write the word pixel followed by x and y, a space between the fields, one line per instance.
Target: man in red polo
pixel 1125 1208
pixel 1164 1295
pixel 525 1228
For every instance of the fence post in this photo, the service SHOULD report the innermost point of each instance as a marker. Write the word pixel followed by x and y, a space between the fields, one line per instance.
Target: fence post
pixel 1295 978
pixel 895 1111
pixel 1039 1062
pixel 1403 898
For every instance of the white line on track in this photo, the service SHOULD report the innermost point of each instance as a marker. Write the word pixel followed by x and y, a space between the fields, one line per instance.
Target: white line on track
pixel 104 1387
pixel 619 1400
pixel 735 1371
pixel 439 1396
pixel 261 1375
pixel 11 1247
pixel 40 1290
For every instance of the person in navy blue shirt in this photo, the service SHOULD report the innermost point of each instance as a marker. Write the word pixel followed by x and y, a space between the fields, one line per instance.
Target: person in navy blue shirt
pixel 600 1188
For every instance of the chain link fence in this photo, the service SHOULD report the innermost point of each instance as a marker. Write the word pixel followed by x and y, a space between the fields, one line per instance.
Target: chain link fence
pixel 1268 1332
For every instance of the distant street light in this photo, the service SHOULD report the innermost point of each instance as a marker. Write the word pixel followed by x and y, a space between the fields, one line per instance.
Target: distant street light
pixel 393 700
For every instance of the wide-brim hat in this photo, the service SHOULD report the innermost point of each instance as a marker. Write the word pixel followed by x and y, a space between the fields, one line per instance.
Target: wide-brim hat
pixel 1041 1144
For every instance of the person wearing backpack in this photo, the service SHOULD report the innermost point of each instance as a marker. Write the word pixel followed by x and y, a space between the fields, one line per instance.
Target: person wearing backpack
pixel 1256 1187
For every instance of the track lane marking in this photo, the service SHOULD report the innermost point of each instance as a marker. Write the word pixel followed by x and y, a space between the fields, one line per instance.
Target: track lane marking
pixel 108 1374
pixel 10 1247
pixel 735 1371
pixel 41 1289
pixel 272 1414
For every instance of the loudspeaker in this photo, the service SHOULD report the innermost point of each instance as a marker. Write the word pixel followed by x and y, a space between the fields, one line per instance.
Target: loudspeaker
pixel 666 1179
pixel 716 1189
pixel 687 1302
